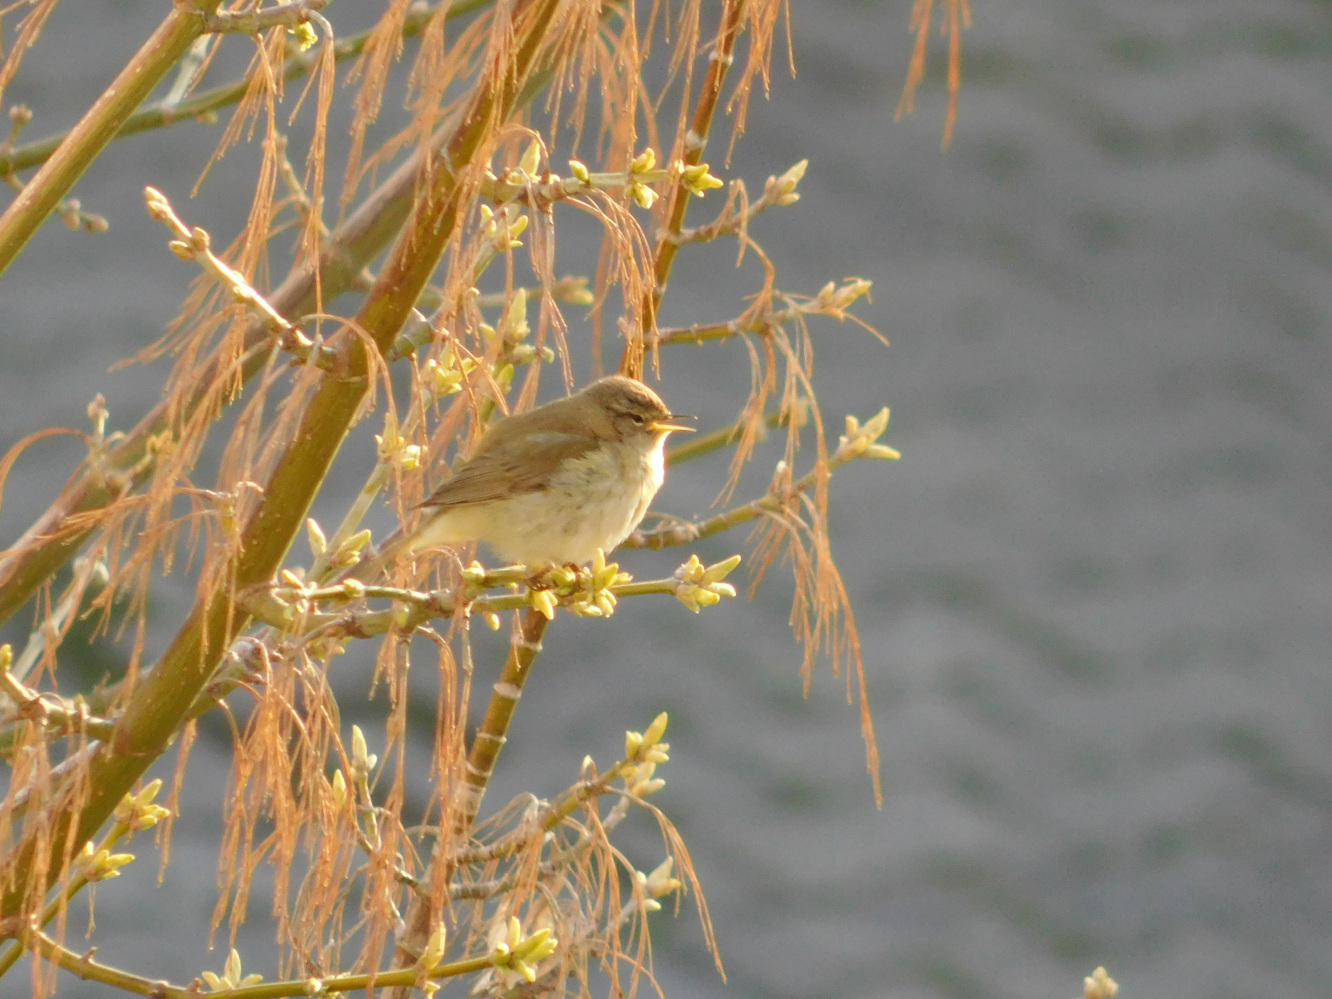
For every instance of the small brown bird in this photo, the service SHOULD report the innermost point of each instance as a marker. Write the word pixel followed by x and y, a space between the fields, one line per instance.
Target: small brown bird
pixel 554 484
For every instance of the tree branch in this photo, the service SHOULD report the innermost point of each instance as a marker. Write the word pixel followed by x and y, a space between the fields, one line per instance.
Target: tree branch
pixel 98 127
pixel 696 141
pixel 163 699
pixel 252 22
pixel 68 520
pixel 161 115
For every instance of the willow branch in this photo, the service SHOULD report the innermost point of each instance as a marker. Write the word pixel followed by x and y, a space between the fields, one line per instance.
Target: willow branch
pixel 425 912
pixel 696 142
pixel 68 520
pixel 252 22
pixel 778 192
pixel 494 728
pixel 88 969
pixel 99 126
pixel 161 702
pixel 75 885
pixel 135 813
pixel 56 717
pixel 31 154
pixel 194 244
pixel 551 817
pixel 102 479
pixel 46 635
pixel 278 607
pixel 700 444
pixel 687 532
pixel 832 301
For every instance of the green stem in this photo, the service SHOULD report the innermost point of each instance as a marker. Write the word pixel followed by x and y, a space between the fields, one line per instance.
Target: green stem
pixel 715 440
pixel 687 532
pixel 551 817
pixel 421 605
pixel 75 885
pixel 701 332
pixel 486 746
pixel 705 110
pixel 83 966
pixel 254 22
pixel 494 728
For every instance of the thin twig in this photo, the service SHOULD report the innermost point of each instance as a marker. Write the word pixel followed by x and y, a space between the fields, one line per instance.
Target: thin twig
pixel 696 141
pixel 98 127
pixel 164 115
pixel 195 244
pixel 687 532
pixel 162 700
pixel 253 22
pixel 777 192
pixel 85 967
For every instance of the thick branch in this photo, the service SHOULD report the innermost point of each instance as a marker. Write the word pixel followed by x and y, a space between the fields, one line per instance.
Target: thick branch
pixel 425 912
pixel 494 730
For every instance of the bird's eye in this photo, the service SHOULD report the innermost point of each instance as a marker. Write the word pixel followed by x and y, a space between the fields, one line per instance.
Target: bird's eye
pixel 639 419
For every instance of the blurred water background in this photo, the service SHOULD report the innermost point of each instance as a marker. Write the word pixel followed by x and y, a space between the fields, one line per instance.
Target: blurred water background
pixel 1094 594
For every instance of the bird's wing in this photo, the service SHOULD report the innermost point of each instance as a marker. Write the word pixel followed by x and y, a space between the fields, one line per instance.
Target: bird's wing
pixel 498 472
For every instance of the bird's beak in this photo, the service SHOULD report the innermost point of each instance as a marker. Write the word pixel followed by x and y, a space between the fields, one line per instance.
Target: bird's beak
pixel 659 425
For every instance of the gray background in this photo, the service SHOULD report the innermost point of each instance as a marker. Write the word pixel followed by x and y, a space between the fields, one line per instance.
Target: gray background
pixel 1093 595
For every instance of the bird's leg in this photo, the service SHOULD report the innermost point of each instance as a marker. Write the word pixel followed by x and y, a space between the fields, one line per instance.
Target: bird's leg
pixel 542 577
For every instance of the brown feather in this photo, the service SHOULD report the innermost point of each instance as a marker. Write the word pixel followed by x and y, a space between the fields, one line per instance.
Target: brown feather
pixel 494 474
pixel 519 453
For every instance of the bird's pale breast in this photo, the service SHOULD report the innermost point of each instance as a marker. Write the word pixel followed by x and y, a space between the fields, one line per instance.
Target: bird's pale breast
pixel 591 502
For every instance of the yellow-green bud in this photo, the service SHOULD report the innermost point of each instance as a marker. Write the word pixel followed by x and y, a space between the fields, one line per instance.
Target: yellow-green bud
pixel 544 602
pixel 644 161
pixel 318 542
pixel 656 730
